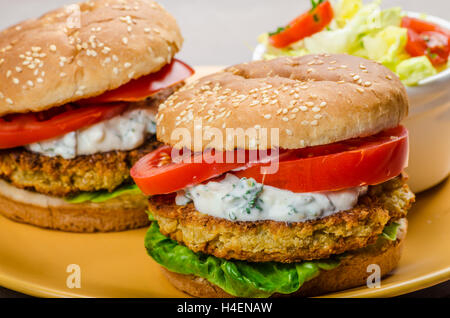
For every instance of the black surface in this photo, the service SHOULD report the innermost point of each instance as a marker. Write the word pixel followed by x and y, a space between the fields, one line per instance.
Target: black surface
pixel 438 291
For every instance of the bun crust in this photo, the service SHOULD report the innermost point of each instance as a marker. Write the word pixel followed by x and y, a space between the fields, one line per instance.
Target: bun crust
pixel 83 50
pixel 352 272
pixel 120 214
pixel 312 100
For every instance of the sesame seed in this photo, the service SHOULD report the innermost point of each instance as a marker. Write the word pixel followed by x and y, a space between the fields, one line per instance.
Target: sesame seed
pixel 18 69
pixel 323 104
pixel 304 122
pixel 147 30
pixel 9 101
pixel 115 58
pixel 8 73
pixel 30 83
pixel 125 40
pixel 309 104
pixel 39 80
pixel 316 109
pixel 360 89
pixel 303 108
pixel 62 74
pixel 389 77
pixel 15 81
pixel 318 116
pixel 131 75
pixel 356 77
pixel 285 119
pixel 289 132
pixel 127 65
pixel 314 123
pixel 367 83
pixel 53 48
pixel 267 116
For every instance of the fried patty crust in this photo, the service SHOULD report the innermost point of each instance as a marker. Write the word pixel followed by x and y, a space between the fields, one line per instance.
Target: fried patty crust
pixel 280 241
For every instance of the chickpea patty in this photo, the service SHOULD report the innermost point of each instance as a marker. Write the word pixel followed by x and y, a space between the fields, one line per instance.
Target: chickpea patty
pixel 285 242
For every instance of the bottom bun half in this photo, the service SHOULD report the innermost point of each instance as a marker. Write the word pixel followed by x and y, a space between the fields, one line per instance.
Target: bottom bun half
pixel 123 213
pixel 352 272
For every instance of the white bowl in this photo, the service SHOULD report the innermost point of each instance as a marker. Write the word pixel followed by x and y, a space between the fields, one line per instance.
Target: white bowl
pixel 428 123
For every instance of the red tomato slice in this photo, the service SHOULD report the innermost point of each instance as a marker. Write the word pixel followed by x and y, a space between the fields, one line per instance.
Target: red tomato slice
pixel 145 86
pixel 428 39
pixel 415 46
pixel 359 161
pixel 22 129
pixel 159 173
pixel 304 25
pixel 438 47
pixel 420 26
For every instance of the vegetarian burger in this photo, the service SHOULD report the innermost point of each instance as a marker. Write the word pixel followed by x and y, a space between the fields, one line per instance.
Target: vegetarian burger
pixel 79 93
pixel 335 204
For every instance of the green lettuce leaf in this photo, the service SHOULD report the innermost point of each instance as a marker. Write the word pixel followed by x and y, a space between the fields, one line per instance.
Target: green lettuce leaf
pixel 238 278
pixel 390 231
pixel 102 196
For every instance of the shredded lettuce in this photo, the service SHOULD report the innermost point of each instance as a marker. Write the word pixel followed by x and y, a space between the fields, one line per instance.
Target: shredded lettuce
pixel 386 46
pixel 363 30
pixel 238 278
pixel 415 69
pixel 102 196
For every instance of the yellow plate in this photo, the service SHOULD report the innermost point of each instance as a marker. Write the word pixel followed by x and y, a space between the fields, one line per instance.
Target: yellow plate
pixel 34 261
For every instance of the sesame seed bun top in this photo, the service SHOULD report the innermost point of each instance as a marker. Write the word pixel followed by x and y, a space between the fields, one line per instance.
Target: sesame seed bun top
pixel 81 51
pixel 312 100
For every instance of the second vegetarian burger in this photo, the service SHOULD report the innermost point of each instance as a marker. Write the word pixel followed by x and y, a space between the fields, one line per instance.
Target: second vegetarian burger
pixel 335 205
pixel 79 92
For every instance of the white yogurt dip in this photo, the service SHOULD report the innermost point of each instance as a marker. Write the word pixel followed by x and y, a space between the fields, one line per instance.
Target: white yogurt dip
pixel 125 132
pixel 246 200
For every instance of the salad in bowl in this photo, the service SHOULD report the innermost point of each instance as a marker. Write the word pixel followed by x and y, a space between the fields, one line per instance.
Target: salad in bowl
pixel 412 47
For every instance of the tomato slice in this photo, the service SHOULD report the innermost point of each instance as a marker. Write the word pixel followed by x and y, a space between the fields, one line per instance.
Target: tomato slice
pixel 145 86
pixel 356 162
pixel 304 25
pixel 428 39
pixel 159 173
pixel 360 161
pixel 420 26
pixel 22 129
